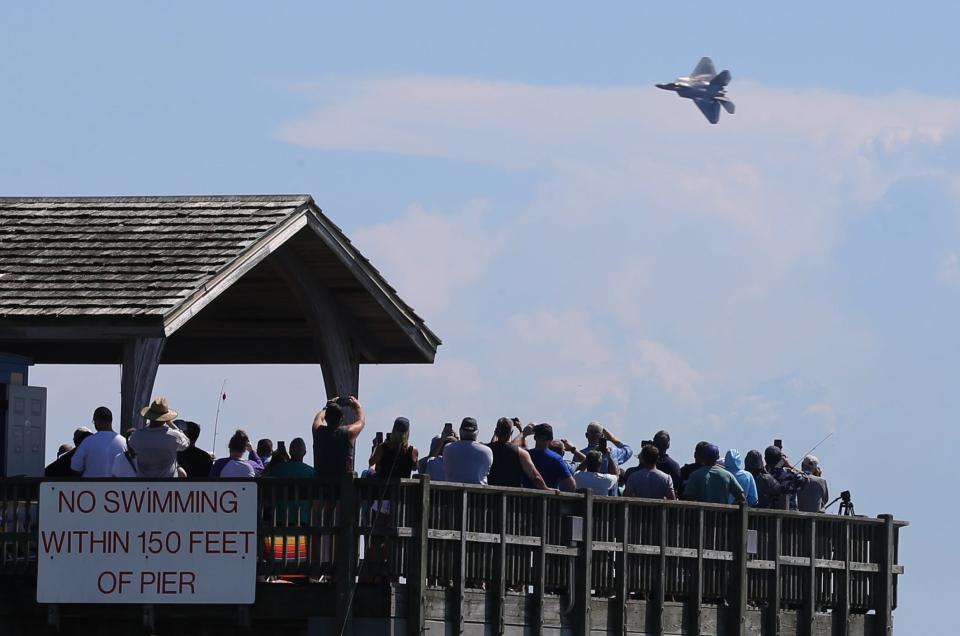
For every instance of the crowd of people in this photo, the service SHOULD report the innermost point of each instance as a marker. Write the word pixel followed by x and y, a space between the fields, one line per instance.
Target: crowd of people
pixel 517 455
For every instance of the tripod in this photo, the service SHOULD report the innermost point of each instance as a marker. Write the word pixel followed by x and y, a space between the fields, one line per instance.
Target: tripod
pixel 846 506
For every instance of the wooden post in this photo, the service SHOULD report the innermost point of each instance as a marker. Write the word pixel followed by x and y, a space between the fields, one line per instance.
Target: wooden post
pixel 738 604
pixel 141 360
pixel 887 554
pixel 345 556
pixel 540 565
pixel 774 608
pixel 622 561
pixel 697 609
pixel 462 570
pixel 501 568
pixel 417 578
pixel 662 570
pixel 844 626
pixel 810 604
pixel 332 337
pixel 585 569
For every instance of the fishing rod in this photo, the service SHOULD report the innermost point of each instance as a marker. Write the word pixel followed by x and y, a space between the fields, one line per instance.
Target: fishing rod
pixel 829 435
pixel 216 421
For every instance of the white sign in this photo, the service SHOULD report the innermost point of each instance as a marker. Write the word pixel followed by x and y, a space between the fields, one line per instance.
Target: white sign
pixel 147 542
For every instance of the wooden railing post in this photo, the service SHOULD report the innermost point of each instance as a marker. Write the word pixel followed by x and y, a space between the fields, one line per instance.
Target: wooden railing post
pixel 884 608
pixel 345 557
pixel 662 571
pixel 810 604
pixel 622 559
pixel 584 587
pixel 417 576
pixel 774 604
pixel 500 567
pixel 738 602
pixel 540 564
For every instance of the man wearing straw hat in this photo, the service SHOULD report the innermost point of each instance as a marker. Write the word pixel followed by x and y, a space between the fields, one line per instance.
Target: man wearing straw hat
pixel 158 443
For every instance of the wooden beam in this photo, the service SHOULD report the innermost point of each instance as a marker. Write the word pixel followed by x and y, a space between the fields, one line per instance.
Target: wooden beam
pixel 333 342
pixel 738 604
pixel 141 360
pixel 417 578
pixel 584 570
pixel 885 593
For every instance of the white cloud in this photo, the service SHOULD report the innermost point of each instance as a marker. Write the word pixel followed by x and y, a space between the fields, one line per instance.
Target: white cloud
pixel 655 362
pixel 430 255
pixel 950 270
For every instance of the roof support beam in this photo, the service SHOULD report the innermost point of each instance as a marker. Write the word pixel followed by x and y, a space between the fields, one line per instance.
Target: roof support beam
pixel 141 360
pixel 332 339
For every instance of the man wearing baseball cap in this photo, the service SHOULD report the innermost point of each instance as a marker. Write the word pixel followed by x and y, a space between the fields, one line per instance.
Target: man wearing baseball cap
pixel 813 496
pixel 712 483
pixel 467 461
pixel 790 479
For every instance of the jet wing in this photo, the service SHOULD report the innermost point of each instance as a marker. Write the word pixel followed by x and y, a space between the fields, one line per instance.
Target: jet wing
pixel 705 67
pixel 710 109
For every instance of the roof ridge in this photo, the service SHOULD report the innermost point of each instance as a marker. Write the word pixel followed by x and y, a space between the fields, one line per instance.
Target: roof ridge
pixel 194 198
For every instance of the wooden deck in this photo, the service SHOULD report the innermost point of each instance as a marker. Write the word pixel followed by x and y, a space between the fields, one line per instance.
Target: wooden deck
pixel 456 559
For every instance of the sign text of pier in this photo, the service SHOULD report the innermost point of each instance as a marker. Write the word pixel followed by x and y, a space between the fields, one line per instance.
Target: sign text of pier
pixel 147 542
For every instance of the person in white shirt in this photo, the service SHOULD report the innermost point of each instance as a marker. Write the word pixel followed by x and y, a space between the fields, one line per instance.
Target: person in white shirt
pixel 157 444
pixel 94 456
pixel 592 479
pixel 237 466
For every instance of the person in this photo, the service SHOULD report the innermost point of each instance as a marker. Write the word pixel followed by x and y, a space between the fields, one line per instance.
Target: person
pixel 590 478
pixel 265 451
pixel 712 483
pixel 65 448
pixel 689 469
pixel 768 489
pixel 158 443
pixel 790 479
pixel 433 465
pixel 235 466
pixel 333 440
pixel 563 446
pixel 666 464
pixel 238 445
pixel 649 481
pixel 556 473
pixel 295 467
pixel 194 461
pixel 620 452
pixel 395 458
pixel 467 461
pixel 814 494
pixel 734 463
pixel 60 467
pixel 125 463
pixel 511 464
pixel 94 457
pixel 278 459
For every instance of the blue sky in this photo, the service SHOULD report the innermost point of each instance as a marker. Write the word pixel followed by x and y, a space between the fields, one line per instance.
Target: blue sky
pixel 587 246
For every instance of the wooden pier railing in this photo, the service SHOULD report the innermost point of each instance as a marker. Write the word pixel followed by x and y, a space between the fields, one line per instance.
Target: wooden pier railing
pixel 612 564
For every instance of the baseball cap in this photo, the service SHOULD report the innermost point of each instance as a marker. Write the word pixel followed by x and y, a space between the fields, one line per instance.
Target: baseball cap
pixel 468 424
pixel 773 456
pixel 711 452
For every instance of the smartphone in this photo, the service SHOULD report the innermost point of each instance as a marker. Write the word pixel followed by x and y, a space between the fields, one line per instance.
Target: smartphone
pixel 603 444
pixel 378 439
pixel 344 401
pixel 447 429
pixel 778 443
pixel 281 445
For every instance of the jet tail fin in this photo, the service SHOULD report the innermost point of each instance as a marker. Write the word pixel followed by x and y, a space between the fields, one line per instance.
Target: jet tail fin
pixel 726 103
pixel 722 79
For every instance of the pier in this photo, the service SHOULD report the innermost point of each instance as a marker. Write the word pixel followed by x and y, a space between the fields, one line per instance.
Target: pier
pixel 460 559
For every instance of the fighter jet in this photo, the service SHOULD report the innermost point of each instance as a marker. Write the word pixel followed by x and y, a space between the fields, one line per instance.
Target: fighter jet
pixel 706 88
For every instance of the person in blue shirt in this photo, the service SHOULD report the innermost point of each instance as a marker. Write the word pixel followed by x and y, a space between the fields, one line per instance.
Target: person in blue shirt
pixel 555 472
pixel 620 452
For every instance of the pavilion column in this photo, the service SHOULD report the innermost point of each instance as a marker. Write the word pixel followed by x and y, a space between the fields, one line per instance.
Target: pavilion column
pixel 141 359
pixel 333 342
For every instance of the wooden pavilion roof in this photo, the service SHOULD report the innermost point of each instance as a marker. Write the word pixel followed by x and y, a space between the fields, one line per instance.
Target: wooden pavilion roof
pixel 77 274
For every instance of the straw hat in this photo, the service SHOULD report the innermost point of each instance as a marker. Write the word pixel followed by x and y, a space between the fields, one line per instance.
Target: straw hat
pixel 159 411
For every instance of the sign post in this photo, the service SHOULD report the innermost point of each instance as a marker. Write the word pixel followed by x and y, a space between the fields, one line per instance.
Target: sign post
pixel 147 542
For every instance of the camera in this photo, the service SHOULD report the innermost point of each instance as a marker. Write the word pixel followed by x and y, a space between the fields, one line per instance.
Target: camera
pixel 778 443
pixel 845 496
pixel 343 401
pixel 378 439
pixel 646 442
pixel 602 445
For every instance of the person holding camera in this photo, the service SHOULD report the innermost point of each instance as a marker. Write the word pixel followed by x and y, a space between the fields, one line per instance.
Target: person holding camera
pixel 598 438
pixel 334 441
pixel 814 495
pixel 590 478
pixel 467 461
pixel 790 479
pixel 512 466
